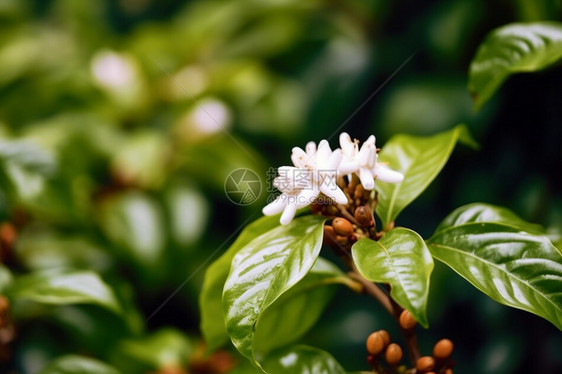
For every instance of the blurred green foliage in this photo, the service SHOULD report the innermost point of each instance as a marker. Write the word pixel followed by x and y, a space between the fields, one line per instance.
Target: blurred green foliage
pixel 120 121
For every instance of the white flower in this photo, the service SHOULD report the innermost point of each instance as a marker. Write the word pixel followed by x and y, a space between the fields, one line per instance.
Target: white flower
pixel 363 162
pixel 314 173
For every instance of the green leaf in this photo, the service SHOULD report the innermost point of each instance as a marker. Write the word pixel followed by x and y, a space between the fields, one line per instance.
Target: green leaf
pixel 210 300
pixel 265 269
pixel 515 48
pixel 6 278
pixel 189 212
pixel 59 288
pixel 480 212
pixel 400 258
pixel 302 359
pixel 512 267
pixel 299 308
pixel 27 156
pixel 420 159
pixel 164 348
pixel 134 221
pixel 73 364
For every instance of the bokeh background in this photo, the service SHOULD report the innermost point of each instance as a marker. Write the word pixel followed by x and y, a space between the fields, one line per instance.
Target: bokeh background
pixel 121 120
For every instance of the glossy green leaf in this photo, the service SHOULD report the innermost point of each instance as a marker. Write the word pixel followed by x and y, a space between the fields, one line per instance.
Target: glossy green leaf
pixel 480 212
pixel 210 300
pixel 73 364
pixel 420 159
pixel 299 308
pixel 302 359
pixel 515 48
pixel 164 348
pixel 265 269
pixel 400 258
pixel 76 287
pixel 512 267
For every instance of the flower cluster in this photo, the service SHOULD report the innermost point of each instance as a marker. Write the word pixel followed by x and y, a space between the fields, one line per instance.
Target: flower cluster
pixel 316 170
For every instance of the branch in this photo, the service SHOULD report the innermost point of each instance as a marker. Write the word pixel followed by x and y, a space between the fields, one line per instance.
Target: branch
pixel 391 307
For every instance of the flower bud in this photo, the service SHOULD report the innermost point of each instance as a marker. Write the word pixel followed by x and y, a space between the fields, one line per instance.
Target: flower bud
pixel 359 191
pixel 342 226
pixel 449 371
pixel 364 216
pixel 443 349
pixel 393 354
pixel 425 363
pixel 375 343
pixel 407 322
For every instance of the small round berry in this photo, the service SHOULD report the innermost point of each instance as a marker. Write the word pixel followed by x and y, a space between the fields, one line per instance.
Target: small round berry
pixel 316 207
pixel 342 240
pixel 8 233
pixel 375 343
pixel 393 354
pixel 359 191
pixel 342 226
pixel 329 236
pixel 332 210
pixel 449 371
pixel 385 337
pixel 407 322
pixel 364 216
pixel 443 349
pixel 425 363
pixel 351 187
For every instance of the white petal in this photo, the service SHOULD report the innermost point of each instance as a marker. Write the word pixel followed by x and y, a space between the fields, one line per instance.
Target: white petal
pixel 334 192
pixel 285 180
pixel 276 206
pixel 299 157
pixel 363 155
pixel 348 167
pixel 334 160
pixel 288 214
pixel 310 148
pixel 346 144
pixel 367 179
pixel 388 175
pixel 323 152
pixel 371 140
pixel 306 197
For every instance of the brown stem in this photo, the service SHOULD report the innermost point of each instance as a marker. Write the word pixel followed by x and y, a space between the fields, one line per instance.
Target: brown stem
pixel 391 307
pixel 347 215
pixel 373 290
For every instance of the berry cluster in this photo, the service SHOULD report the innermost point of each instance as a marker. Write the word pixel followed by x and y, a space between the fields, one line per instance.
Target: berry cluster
pixel 440 362
pixel 354 220
pixel 379 345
